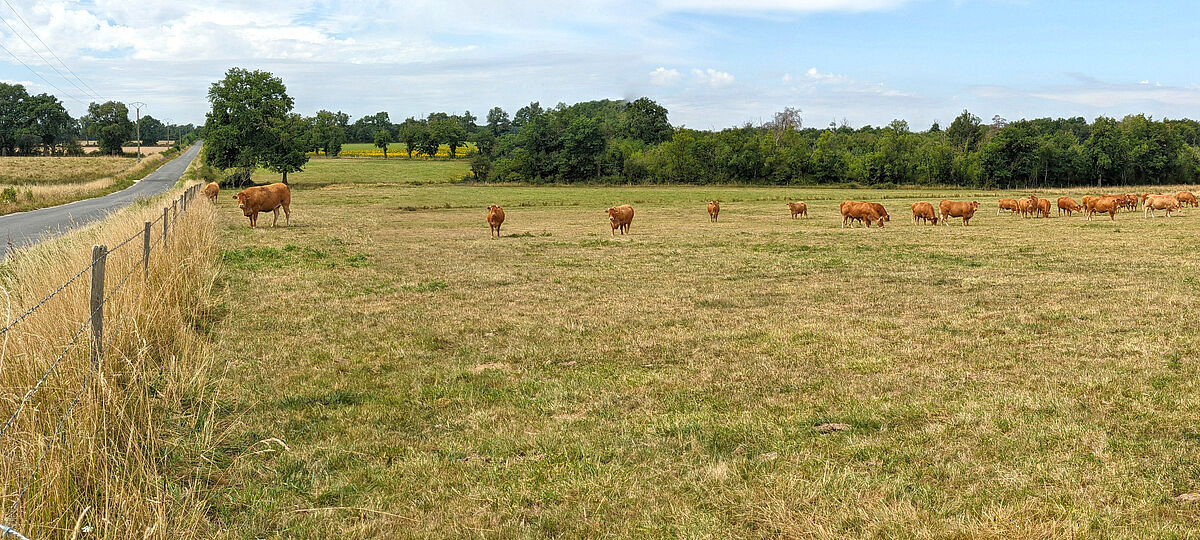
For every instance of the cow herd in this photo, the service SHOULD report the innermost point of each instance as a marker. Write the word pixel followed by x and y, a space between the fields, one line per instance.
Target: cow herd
pixel 870 213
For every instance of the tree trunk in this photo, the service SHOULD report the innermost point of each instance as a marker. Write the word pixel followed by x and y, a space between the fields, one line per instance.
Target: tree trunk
pixel 285 178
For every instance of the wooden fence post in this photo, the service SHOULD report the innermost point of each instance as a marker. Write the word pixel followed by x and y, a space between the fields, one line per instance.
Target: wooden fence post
pixel 99 256
pixel 175 209
pixel 166 210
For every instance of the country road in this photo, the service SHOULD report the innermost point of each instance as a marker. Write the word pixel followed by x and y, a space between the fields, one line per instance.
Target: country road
pixel 27 228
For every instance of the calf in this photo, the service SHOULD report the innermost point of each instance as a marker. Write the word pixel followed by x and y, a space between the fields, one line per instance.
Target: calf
pixel 798 208
pixel 714 208
pixel 965 210
pixel 211 191
pixel 1068 204
pixel 620 217
pixel 495 219
pixel 924 211
pixel 268 198
pixel 1007 204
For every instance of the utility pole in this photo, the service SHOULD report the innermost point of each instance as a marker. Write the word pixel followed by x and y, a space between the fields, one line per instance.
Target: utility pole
pixel 168 121
pixel 138 107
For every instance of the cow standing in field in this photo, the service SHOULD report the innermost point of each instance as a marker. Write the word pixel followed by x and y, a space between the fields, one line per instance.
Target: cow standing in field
pixel 268 198
pixel 1043 206
pixel 714 208
pixel 620 217
pixel 1026 208
pixel 495 219
pixel 211 191
pixel 1106 203
pixel 923 211
pixel 1185 198
pixel 798 209
pixel 1007 204
pixel 1068 204
pixel 1159 202
pixel 861 211
pixel 965 210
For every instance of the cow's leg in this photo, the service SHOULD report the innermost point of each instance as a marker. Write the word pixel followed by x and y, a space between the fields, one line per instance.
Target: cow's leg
pixel 287 215
pixel 275 220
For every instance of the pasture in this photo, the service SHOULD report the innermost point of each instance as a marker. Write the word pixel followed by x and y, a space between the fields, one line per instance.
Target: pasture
pixel 29 183
pixel 393 371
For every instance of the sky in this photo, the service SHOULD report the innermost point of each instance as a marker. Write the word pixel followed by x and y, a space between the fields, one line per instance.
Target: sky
pixel 711 63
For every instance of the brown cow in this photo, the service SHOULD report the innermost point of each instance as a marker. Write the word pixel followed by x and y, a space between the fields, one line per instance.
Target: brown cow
pixel 923 211
pixel 268 198
pixel 714 208
pixel 1026 206
pixel 1132 200
pixel 1159 202
pixel 879 208
pixel 861 211
pixel 798 208
pixel 1068 204
pixel 620 217
pixel 1102 204
pixel 211 191
pixel 1185 198
pixel 495 219
pixel 1007 204
pixel 965 210
pixel 1043 207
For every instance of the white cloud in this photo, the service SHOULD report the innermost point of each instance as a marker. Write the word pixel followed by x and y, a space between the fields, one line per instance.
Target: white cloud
pixel 787 78
pixel 665 77
pixel 712 77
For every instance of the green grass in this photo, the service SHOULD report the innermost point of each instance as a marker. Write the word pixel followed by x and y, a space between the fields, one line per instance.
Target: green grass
pixel 1015 378
pixel 321 172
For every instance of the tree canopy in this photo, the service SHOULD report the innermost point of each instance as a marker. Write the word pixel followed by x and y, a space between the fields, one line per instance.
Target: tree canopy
pixel 249 126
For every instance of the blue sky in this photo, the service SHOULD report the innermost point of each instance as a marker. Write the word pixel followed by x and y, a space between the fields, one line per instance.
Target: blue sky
pixel 712 63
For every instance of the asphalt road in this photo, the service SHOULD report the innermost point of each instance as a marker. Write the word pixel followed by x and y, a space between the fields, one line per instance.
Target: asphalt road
pixel 28 228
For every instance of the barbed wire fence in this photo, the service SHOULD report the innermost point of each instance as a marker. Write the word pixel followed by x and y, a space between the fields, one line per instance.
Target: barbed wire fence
pixel 97 343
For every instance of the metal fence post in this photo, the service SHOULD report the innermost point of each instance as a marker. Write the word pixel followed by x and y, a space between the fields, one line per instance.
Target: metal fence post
pixel 146 252
pixel 99 256
pixel 166 210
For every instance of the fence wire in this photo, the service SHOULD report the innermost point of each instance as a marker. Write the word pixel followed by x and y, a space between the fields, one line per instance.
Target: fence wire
pixel 96 365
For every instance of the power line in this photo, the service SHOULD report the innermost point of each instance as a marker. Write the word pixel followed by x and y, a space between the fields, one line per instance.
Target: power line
pixel 31 70
pixel 51 51
pixel 39 54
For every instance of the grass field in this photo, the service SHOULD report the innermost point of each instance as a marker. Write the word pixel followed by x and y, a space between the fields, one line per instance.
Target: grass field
pixel 40 182
pixel 395 372
pixel 397 150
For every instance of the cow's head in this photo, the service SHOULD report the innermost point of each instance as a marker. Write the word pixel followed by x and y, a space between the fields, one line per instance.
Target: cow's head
pixel 241 199
pixel 612 212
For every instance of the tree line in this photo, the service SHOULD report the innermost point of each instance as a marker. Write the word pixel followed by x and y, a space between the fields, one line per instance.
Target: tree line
pixel 40 125
pixel 606 141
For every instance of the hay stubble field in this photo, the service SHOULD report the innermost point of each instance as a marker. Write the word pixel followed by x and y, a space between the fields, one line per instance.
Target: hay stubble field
pixel 392 370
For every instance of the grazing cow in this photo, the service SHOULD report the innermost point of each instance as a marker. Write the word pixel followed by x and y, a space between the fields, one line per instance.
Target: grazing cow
pixel 1068 204
pixel 879 208
pixel 1102 204
pixel 1007 204
pixel 268 198
pixel 211 191
pixel 923 211
pixel 1043 207
pixel 619 217
pixel 1185 198
pixel 965 210
pixel 1132 200
pixel 495 219
pixel 798 208
pixel 861 211
pixel 714 208
pixel 1026 207
pixel 1159 202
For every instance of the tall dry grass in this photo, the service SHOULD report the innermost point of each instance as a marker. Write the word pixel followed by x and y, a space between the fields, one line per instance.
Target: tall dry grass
pixel 43 194
pixel 139 418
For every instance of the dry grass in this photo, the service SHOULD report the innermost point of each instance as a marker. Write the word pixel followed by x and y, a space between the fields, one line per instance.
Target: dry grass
pixel 61 170
pixel 1015 378
pixel 42 194
pixel 125 464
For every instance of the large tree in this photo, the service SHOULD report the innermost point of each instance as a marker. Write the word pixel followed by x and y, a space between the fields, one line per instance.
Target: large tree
pixel 152 130
pixel 450 132
pixel 249 125
pixel 48 120
pixel 109 122
pixel 646 121
pixel 329 131
pixel 498 122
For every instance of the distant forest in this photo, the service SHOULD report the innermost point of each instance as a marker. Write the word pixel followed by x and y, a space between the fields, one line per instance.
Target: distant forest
pixel 632 142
